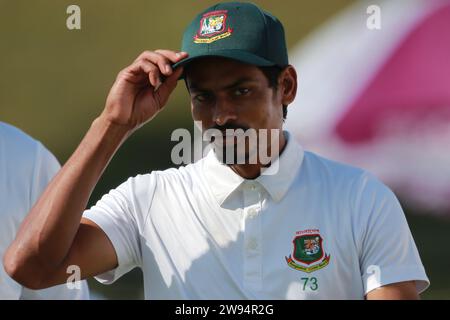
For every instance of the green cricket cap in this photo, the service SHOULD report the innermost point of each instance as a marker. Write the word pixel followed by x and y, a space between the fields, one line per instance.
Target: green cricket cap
pixel 238 31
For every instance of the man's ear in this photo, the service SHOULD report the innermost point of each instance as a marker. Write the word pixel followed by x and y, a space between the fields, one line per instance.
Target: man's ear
pixel 288 85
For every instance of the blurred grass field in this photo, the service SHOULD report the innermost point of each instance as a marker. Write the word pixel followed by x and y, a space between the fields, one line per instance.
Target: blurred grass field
pixel 54 82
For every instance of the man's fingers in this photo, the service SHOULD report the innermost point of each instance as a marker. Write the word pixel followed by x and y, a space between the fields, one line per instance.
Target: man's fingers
pixel 173 56
pixel 163 59
pixel 156 59
pixel 142 69
pixel 155 68
pixel 163 62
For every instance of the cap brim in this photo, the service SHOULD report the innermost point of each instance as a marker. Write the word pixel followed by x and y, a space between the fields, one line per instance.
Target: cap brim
pixel 238 55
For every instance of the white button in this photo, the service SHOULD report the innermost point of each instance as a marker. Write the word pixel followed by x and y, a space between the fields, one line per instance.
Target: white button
pixel 252 212
pixel 252 244
pixel 253 187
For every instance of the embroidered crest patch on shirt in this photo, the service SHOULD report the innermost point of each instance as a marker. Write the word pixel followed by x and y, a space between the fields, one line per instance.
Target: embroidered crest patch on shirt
pixel 308 254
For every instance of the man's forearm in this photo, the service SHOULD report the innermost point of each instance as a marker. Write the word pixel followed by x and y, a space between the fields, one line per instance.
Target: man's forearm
pixel 46 235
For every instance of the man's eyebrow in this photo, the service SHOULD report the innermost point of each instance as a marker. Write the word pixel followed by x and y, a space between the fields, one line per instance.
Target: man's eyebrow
pixel 194 86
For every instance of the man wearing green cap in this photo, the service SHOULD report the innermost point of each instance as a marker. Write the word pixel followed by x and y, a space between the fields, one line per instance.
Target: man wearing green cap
pixel 311 229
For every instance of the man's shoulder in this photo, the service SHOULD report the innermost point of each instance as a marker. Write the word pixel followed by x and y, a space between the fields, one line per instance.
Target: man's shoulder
pixel 338 175
pixel 15 139
pixel 23 151
pixel 354 189
pixel 185 174
pixel 329 167
pixel 20 150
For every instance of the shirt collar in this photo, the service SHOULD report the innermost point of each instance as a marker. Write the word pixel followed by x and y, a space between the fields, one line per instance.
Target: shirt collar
pixel 223 181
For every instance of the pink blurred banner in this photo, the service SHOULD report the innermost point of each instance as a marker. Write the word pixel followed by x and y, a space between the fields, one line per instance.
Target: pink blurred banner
pixel 380 99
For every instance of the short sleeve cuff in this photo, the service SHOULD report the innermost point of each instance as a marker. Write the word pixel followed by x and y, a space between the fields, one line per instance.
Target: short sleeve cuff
pixel 387 276
pixel 102 221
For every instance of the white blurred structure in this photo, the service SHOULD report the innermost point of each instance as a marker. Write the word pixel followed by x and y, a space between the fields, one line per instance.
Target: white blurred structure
pixel 380 99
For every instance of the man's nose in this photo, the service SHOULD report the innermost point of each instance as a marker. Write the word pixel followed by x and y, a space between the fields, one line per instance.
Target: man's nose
pixel 224 111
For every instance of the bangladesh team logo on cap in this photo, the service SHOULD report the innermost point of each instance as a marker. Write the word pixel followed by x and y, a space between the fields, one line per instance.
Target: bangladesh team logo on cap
pixel 308 254
pixel 213 27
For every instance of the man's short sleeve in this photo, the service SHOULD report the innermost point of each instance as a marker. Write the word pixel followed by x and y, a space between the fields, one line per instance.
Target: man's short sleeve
pixel 388 253
pixel 121 214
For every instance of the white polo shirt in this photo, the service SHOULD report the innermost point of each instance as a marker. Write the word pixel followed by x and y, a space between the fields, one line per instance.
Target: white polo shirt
pixel 315 230
pixel 26 167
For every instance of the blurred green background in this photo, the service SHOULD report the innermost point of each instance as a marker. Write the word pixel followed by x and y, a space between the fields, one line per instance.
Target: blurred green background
pixel 54 82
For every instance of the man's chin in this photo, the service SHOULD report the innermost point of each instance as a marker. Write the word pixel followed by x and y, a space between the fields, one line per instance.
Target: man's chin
pixel 231 154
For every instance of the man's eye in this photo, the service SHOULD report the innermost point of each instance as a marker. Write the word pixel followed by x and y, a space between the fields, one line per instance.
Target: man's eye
pixel 202 97
pixel 241 91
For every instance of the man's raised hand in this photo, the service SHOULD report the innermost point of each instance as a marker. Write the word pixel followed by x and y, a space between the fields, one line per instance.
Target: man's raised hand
pixel 138 94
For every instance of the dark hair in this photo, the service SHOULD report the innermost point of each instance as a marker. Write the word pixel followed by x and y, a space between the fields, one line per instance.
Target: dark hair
pixel 272 74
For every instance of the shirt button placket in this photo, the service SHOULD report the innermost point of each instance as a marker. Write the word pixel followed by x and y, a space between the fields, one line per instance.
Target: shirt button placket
pixel 252 238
